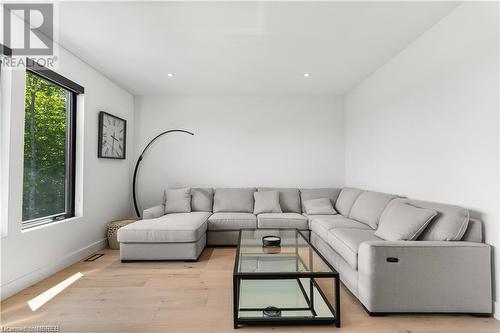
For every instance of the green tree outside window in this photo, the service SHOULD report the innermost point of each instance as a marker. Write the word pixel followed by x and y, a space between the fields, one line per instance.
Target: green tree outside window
pixel 45 142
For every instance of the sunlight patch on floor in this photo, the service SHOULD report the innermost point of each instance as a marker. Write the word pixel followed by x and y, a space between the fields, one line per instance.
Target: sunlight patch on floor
pixel 46 296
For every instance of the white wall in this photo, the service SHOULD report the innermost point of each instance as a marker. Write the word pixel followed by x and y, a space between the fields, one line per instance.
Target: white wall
pixel 103 186
pixel 426 124
pixel 5 102
pixel 240 141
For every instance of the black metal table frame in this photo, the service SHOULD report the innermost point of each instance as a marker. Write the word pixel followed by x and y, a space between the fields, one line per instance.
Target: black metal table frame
pixel 238 276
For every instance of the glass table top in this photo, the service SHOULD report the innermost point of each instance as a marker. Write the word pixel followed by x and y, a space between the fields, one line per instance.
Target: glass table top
pixel 294 256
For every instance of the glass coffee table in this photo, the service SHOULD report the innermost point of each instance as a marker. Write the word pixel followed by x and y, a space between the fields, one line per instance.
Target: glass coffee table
pixel 278 285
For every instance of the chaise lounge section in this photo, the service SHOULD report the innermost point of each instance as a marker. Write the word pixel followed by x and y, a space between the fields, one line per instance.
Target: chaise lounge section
pixel 441 266
pixel 181 235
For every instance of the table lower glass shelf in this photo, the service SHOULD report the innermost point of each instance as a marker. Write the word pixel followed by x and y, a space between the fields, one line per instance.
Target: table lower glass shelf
pixel 283 300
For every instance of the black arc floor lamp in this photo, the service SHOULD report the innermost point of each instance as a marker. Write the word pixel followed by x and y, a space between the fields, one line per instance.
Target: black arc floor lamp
pixel 139 162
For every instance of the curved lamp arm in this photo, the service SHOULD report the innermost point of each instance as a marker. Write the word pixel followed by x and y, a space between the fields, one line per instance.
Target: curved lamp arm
pixel 139 162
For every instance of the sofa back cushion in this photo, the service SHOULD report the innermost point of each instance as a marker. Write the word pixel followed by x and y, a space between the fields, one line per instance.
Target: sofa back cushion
pixel 346 199
pixel 289 198
pixel 369 206
pixel 474 231
pixel 449 224
pixel 401 221
pixel 318 193
pixel 233 200
pixel 202 199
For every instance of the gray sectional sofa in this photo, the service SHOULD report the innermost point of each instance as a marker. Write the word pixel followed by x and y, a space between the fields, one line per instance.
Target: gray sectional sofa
pixel 443 267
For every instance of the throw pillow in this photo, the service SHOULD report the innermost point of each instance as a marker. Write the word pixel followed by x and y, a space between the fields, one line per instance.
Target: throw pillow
pixel 321 206
pixel 267 202
pixel 202 199
pixel 178 200
pixel 401 221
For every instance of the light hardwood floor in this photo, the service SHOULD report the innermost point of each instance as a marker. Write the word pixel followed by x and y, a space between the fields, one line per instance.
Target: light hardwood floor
pixel 186 297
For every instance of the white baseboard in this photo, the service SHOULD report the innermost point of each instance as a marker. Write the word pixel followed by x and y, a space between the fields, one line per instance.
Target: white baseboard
pixel 496 310
pixel 25 281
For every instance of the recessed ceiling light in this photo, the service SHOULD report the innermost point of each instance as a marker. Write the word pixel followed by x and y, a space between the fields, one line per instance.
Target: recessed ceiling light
pixel 307 74
pixel 170 75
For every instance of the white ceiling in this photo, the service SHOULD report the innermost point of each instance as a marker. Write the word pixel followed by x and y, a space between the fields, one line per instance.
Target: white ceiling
pixel 242 47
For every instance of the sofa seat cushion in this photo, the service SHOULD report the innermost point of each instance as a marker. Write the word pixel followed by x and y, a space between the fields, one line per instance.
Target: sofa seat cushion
pixel 232 221
pixel 321 224
pixel 310 218
pixel 282 221
pixel 346 242
pixel 170 228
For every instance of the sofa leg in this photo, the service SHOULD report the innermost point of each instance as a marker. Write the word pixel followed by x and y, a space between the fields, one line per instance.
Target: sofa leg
pixel 161 260
pixel 374 314
pixel 383 314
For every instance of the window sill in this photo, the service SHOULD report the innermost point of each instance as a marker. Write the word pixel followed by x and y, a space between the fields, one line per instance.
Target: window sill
pixel 47 225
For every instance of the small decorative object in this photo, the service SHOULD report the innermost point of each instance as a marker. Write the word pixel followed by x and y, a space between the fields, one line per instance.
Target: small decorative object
pixel 272 312
pixel 112 228
pixel 270 241
pixel 112 136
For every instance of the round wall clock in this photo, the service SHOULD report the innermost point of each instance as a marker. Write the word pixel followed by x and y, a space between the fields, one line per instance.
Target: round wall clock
pixel 112 136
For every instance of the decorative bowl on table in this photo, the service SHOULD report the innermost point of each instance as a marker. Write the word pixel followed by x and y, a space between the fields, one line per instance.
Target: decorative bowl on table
pixel 271 241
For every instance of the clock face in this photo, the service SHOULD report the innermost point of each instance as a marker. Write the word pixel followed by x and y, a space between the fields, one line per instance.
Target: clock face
pixel 113 136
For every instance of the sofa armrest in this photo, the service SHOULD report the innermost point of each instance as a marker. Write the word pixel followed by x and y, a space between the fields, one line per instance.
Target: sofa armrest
pixel 425 276
pixel 153 212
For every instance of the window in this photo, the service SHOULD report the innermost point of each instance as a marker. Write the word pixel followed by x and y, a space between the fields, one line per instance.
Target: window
pixel 49 146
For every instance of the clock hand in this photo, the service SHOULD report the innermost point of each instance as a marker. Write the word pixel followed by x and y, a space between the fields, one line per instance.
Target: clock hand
pixel 115 138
